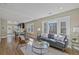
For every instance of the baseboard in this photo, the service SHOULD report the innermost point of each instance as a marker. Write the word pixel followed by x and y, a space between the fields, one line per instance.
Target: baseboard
pixel 69 46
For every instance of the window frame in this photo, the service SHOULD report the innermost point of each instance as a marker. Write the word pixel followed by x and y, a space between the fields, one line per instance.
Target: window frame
pixel 30 28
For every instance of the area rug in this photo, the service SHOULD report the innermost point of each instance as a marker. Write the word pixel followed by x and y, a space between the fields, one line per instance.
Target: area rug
pixel 27 50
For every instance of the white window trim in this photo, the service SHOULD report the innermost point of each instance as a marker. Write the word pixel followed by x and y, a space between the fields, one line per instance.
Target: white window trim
pixel 54 21
pixel 67 20
pixel 29 26
pixel 43 27
pixel 58 21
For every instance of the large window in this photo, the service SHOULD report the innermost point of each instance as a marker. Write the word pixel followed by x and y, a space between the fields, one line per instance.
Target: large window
pixel 57 26
pixel 30 28
pixel 45 27
pixel 53 28
pixel 63 27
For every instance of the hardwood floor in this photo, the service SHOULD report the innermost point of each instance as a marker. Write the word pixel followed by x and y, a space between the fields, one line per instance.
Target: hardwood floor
pixel 6 50
pixel 71 51
pixel 10 49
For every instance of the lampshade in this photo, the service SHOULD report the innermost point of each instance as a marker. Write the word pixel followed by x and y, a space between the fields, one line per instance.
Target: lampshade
pixel 38 29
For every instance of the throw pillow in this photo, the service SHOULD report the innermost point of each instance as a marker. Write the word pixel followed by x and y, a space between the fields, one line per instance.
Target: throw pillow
pixel 61 38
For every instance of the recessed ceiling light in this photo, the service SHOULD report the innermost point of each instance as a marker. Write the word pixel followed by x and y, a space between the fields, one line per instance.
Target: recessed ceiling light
pixel 49 12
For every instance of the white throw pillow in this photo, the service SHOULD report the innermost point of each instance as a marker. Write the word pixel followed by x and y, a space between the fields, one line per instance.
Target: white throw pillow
pixel 61 38
pixel 55 36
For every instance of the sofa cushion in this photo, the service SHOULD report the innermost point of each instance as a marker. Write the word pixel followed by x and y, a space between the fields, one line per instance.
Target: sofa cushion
pixel 51 36
pixel 55 36
pixel 53 40
pixel 61 38
pixel 61 42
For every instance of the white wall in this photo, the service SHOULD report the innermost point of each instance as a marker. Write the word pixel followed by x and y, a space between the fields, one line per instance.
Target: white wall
pixel 3 28
pixel 0 30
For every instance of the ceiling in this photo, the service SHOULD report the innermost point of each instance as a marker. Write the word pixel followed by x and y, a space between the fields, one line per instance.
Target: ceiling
pixel 25 12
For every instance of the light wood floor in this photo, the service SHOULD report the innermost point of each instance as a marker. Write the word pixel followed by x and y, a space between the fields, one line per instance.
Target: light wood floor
pixel 71 51
pixel 6 50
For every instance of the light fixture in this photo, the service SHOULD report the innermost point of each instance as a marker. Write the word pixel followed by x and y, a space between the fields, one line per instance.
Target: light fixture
pixel 49 11
pixel 38 29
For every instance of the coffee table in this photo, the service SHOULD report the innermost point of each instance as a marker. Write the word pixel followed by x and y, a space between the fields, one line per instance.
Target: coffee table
pixel 40 48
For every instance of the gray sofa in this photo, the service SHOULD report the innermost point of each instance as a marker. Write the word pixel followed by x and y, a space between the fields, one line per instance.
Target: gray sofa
pixel 58 41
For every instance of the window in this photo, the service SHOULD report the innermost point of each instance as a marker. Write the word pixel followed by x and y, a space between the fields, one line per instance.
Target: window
pixel 30 28
pixel 57 26
pixel 63 27
pixel 45 27
pixel 53 28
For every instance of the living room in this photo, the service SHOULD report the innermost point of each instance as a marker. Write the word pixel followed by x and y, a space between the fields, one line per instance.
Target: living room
pixel 52 31
pixel 65 23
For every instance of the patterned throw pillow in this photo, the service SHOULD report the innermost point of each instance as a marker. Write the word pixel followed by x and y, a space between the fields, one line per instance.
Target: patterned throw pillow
pixel 55 36
pixel 61 38
pixel 51 36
